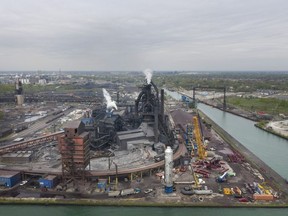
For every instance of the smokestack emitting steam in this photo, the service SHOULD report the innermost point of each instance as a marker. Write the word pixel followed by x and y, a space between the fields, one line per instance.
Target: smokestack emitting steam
pixel 110 104
pixel 148 75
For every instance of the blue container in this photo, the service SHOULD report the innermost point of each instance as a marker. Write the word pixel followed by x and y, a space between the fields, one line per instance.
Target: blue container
pixel 48 182
pixel 9 178
pixel 168 189
pixel 101 185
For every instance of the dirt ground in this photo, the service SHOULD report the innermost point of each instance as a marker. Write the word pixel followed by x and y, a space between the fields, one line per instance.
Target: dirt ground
pixel 280 127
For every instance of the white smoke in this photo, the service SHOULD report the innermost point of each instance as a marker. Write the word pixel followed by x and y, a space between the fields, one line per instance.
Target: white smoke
pixel 148 75
pixel 110 104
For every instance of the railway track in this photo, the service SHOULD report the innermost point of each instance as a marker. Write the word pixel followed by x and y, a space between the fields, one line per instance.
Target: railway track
pixel 180 151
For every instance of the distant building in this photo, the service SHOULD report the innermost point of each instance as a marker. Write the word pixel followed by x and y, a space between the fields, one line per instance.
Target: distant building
pixel 42 81
pixel 25 81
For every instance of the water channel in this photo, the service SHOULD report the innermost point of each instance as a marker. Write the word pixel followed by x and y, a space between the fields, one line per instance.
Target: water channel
pixel 271 149
pixel 19 210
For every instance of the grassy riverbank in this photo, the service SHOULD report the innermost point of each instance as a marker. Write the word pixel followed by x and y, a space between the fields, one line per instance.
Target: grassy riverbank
pixel 271 106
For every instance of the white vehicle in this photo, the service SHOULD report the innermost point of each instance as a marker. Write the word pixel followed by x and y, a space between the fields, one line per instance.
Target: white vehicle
pixel 18 139
pixel 149 190
pixel 23 182
pixel 114 193
pixel 126 192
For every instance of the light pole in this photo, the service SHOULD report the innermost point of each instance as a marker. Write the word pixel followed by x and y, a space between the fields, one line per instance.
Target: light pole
pixel 116 166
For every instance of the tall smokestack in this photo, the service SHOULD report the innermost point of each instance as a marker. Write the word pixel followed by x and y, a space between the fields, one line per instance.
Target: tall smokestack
pixel 118 97
pixel 162 105
pixel 156 124
pixel 19 92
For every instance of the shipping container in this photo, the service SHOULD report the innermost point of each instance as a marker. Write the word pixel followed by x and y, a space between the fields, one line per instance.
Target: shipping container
pixel 102 183
pixel 49 181
pixel 266 197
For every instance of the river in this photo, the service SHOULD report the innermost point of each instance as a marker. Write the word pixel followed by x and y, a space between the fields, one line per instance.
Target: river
pixel 14 210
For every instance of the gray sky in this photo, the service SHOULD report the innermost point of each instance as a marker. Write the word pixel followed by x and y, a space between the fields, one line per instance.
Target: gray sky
pixel 139 34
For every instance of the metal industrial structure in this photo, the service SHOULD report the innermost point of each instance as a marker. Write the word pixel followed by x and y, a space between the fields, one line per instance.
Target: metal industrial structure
pixel 150 108
pixel 19 92
pixel 130 127
pixel 36 142
pixel 74 150
pixel 198 137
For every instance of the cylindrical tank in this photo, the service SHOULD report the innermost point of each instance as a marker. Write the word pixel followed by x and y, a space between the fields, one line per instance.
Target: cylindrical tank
pixel 168 170
pixel 203 192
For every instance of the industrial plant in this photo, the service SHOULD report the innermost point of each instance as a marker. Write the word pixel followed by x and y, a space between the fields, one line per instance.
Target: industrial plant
pixel 149 146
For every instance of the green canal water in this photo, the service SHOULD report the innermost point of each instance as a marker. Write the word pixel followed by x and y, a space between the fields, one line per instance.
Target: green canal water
pixel 271 149
pixel 134 211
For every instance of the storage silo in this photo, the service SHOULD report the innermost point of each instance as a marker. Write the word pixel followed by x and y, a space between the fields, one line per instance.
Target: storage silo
pixel 168 170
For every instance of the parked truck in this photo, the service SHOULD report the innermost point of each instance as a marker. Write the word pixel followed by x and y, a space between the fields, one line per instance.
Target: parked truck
pixel 114 193
pixel 126 192
pixel 121 193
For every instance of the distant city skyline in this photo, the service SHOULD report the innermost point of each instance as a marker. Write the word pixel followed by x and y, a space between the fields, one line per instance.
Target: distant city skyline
pixel 129 35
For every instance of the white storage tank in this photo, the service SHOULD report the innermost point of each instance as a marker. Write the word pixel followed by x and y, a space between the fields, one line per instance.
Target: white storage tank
pixel 168 170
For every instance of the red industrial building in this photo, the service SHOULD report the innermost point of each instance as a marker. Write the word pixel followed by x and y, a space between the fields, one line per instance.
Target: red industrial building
pixel 74 149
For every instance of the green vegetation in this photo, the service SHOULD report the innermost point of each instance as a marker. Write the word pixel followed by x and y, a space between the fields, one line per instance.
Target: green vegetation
pixel 234 81
pixel 6 88
pixel 269 105
pixel 262 124
pixel 32 88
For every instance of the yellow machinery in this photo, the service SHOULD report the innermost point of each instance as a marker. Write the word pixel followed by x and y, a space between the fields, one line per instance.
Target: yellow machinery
pixel 265 188
pixel 227 191
pixel 197 184
pixel 197 134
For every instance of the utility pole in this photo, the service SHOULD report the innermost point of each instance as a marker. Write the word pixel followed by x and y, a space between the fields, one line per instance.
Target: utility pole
pixel 116 166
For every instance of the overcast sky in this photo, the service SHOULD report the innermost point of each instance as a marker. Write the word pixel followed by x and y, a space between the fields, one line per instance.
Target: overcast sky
pixel 138 34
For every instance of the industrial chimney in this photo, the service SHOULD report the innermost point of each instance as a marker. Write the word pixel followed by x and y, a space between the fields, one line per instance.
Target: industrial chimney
pixel 19 92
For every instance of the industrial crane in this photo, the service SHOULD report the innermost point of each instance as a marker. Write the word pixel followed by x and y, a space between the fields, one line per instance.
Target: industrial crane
pixel 201 151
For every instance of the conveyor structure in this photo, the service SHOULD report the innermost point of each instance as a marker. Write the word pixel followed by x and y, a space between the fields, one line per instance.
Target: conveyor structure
pixel 197 134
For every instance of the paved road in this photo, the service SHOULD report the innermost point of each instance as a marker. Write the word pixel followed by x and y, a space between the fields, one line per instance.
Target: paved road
pixel 36 127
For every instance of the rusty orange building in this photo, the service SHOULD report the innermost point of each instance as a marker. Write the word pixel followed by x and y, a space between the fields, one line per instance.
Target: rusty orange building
pixel 74 150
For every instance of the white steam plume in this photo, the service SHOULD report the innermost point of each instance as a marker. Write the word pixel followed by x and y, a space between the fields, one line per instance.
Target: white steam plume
pixel 148 75
pixel 110 104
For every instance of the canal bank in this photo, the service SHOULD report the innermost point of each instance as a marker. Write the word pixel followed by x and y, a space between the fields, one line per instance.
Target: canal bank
pixel 271 131
pixel 241 114
pixel 132 202
pixel 270 175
